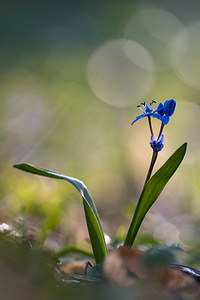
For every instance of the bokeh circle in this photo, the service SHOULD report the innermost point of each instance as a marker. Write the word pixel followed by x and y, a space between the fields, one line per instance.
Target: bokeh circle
pixel 120 72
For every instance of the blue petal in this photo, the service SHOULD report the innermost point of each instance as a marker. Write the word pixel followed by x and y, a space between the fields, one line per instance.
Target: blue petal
pixel 161 139
pixel 165 120
pixel 157 116
pixel 160 110
pixel 169 107
pixel 148 109
pixel 152 139
pixel 139 117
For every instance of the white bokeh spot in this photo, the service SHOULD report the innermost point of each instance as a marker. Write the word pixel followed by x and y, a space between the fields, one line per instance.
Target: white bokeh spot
pixel 120 72
pixel 155 29
pixel 187 66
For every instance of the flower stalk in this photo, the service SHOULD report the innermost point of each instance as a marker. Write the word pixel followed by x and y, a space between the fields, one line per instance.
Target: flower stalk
pixel 153 160
pixel 152 185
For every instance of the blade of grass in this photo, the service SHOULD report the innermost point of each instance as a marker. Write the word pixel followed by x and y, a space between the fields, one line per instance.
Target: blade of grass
pixel 152 190
pixel 93 222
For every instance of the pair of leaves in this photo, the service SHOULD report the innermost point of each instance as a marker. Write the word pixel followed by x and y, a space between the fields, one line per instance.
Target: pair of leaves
pixel 152 190
pixel 92 218
pixel 150 193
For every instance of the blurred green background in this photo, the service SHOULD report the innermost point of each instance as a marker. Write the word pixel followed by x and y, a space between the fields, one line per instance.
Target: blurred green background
pixel 72 74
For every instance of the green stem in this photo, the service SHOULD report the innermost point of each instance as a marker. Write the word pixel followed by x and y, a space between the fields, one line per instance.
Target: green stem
pixel 153 160
pixel 161 130
pixel 150 126
pixel 134 226
pixel 155 154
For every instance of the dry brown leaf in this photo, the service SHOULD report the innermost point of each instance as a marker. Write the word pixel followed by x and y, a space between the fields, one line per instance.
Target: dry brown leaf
pixel 174 279
pixel 122 265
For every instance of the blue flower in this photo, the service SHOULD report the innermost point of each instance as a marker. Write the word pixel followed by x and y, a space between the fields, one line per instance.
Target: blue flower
pixel 148 112
pixel 157 145
pixel 166 110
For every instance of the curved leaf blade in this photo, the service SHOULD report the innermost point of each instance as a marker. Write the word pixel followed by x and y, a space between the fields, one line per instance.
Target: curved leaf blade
pixel 152 190
pixel 72 249
pixel 93 222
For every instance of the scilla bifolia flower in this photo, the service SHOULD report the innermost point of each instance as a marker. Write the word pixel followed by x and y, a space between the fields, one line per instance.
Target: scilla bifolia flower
pixel 147 112
pixel 162 113
pixel 157 145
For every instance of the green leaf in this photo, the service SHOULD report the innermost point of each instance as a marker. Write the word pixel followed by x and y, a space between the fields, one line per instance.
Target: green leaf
pixel 152 190
pixel 93 223
pixel 70 249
